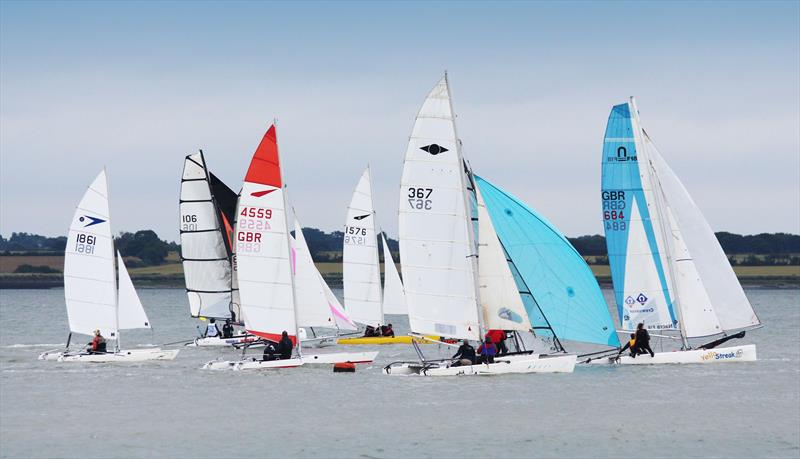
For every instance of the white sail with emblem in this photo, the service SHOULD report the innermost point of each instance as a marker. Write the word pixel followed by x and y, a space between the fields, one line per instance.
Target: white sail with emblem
pixel 361 270
pixel 436 245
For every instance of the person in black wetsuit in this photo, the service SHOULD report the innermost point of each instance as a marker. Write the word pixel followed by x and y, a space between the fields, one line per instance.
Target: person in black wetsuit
pixel 465 355
pixel 282 351
pixel 642 341
pixel 387 331
pixel 227 329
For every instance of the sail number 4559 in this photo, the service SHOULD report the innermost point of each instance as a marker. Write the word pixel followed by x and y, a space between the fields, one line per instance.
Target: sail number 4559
pixel 419 198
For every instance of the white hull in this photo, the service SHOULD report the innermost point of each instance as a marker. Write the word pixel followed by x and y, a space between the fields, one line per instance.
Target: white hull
pixel 252 364
pixel 341 357
pixel 503 365
pixel 134 355
pixel 216 341
pixel 745 353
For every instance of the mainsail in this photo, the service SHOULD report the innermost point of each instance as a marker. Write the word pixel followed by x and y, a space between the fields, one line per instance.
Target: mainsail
pixel 436 241
pixel 361 270
pixel 89 280
pixel 668 268
pixel 262 247
pixel 207 210
pixel 561 294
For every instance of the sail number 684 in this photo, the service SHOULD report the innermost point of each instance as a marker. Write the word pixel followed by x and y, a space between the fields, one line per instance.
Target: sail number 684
pixel 419 198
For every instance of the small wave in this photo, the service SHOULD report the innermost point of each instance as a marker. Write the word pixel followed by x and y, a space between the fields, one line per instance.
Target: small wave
pixel 35 345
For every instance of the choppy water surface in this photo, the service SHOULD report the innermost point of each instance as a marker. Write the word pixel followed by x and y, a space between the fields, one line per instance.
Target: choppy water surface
pixel 174 409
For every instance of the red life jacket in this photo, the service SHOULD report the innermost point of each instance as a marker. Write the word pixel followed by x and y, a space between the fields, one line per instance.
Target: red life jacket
pixel 95 342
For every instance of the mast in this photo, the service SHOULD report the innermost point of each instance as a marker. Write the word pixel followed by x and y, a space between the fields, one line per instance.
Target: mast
pixel 289 247
pixel 115 269
pixel 467 211
pixel 376 227
pixel 662 221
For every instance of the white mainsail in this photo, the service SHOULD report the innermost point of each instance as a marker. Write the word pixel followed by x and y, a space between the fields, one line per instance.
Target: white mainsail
pixel 262 247
pixel 394 296
pixel 436 245
pixel 206 264
pixel 500 301
pixel 89 279
pixel 361 270
pixel 131 312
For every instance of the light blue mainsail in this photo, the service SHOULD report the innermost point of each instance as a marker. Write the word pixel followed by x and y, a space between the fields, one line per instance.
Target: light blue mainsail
pixel 563 290
pixel 641 287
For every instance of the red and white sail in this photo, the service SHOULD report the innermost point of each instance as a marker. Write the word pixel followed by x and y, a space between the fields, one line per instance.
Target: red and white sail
pixel 262 247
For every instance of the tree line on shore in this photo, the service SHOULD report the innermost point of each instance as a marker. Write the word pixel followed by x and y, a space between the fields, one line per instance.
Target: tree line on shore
pixel 766 249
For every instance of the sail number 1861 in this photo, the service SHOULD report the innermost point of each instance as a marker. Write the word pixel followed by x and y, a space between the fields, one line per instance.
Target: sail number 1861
pixel 85 243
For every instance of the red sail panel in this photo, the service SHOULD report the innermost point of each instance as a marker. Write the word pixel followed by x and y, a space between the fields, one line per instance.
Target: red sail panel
pixel 265 167
pixel 272 337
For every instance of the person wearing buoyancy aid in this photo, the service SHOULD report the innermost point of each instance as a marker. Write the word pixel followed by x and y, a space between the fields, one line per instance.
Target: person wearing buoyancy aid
pixel 98 344
pixel 642 341
pixel 487 351
pixel 631 344
pixel 211 330
pixel 499 340
pixel 227 329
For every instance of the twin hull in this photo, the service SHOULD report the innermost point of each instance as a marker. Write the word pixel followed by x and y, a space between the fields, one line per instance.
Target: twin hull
pixel 135 355
pixel 745 353
pixel 503 365
pixel 254 364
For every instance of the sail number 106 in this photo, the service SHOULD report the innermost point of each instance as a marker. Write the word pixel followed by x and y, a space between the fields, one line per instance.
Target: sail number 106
pixel 419 198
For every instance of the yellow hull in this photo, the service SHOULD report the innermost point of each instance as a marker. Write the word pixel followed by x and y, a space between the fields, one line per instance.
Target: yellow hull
pixel 372 340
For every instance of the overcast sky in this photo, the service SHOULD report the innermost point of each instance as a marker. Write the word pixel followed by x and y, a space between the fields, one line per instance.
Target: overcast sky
pixel 137 86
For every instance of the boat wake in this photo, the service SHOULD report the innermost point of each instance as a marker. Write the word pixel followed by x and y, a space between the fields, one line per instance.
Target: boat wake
pixel 15 346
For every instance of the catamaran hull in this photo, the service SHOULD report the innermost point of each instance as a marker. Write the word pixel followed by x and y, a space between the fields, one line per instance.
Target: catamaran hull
pixel 134 355
pixel 215 341
pixel 340 357
pixel 252 364
pixel 375 340
pixel 745 353
pixel 512 365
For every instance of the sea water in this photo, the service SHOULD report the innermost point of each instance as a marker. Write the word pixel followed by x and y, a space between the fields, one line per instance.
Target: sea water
pixel 175 409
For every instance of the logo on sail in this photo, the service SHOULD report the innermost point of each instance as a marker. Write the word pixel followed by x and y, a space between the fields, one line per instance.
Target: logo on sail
pixel 507 314
pixel 94 220
pixel 622 155
pixel 434 149
pixel 629 300
pixel 641 299
pixel 258 194
pixel 361 217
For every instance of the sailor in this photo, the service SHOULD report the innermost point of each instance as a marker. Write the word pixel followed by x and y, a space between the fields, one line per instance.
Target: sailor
pixel 227 329
pixel 465 355
pixel 642 341
pixel 369 331
pixel 487 351
pixel 98 344
pixel 212 330
pixel 499 339
pixel 631 344
pixel 386 330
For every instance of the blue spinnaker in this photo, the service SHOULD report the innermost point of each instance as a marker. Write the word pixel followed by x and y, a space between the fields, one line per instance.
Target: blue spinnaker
pixel 560 281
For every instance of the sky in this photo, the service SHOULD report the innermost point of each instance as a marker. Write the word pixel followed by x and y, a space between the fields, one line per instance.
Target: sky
pixel 137 86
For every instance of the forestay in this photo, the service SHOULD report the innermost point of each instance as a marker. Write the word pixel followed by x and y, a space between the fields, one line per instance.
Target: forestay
pixel 499 295
pixel 436 248
pixel 89 279
pixel 361 271
pixel 563 292
pixel 262 247
pixel 205 248
pixel 394 296
pixel 131 312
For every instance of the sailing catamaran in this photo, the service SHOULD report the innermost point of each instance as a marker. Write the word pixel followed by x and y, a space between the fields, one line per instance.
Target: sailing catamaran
pixel 450 291
pixel 208 209
pixel 363 298
pixel 668 268
pixel 265 273
pixel 90 285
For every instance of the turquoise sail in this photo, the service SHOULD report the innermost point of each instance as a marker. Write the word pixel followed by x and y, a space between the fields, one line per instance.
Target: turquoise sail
pixel 564 292
pixel 641 288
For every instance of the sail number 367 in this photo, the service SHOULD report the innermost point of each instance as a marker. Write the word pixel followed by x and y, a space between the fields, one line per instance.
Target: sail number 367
pixel 419 198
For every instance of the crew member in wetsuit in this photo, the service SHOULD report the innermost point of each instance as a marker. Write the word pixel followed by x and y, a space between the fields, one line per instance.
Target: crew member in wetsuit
pixel 487 351
pixel 211 330
pixel 369 331
pixel 631 344
pixel 283 349
pixel 98 344
pixel 465 355
pixel 387 331
pixel 227 329
pixel 642 341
